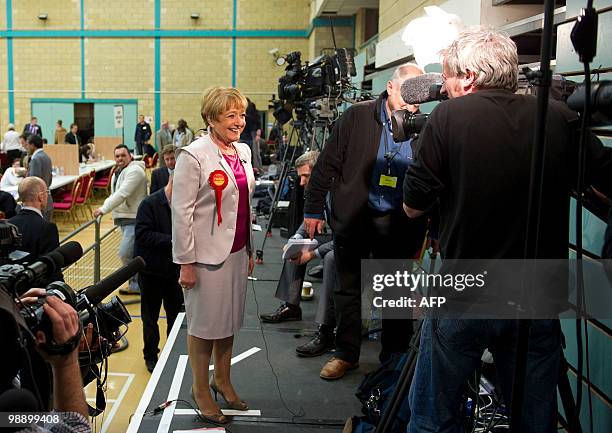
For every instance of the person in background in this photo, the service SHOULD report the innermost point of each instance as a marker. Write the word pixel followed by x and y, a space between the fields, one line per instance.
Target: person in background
pixel 163 137
pixel 11 145
pixel 212 243
pixel 253 124
pixel 160 176
pixel 159 279
pixel 8 205
pixel 258 143
pixel 33 128
pixel 60 133
pixel 142 135
pixel 40 165
pixel 73 137
pixel 128 189
pixel 12 175
pixel 182 135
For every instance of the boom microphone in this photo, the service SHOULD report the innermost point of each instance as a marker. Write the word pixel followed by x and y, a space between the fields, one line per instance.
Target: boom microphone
pixel 19 278
pixel 420 89
pixel 96 293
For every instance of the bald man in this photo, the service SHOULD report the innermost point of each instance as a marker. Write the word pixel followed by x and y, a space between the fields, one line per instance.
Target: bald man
pixel 38 236
pixel 363 168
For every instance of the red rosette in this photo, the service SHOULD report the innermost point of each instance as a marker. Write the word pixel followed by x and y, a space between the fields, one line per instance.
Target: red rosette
pixel 218 181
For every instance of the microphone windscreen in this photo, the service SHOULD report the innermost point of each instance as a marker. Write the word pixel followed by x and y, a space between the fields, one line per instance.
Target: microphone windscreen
pixel 71 251
pixel 96 293
pixel 18 400
pixel 416 90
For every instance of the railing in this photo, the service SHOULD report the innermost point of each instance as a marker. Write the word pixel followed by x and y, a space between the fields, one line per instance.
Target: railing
pixel 88 269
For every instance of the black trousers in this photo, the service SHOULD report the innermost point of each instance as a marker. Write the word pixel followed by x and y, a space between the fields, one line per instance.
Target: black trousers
pixel 154 290
pixel 391 236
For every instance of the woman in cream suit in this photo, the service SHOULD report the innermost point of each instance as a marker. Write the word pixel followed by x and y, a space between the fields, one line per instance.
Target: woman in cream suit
pixel 211 234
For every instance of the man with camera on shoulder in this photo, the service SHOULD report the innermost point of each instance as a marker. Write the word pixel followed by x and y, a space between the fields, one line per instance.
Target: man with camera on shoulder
pixel 474 157
pixel 60 349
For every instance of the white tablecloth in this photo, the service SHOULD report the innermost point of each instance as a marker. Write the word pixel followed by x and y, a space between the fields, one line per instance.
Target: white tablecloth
pixel 60 181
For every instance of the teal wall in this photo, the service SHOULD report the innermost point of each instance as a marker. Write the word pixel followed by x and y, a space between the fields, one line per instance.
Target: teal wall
pixel 599 332
pixel 49 113
pixel 105 122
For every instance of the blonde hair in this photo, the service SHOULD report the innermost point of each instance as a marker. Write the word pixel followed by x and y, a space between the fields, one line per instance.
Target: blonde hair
pixel 217 100
pixel 491 55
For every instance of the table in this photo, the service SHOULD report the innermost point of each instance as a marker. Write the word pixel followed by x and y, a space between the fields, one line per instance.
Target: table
pixel 61 181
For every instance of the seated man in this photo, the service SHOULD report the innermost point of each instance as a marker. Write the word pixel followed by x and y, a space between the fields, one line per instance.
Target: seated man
pixel 289 287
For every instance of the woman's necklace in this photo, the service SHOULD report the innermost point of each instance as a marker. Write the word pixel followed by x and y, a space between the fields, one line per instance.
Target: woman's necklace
pixel 225 149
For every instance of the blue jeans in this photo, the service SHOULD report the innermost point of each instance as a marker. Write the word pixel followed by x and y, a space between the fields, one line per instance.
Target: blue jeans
pixel 450 351
pixel 126 250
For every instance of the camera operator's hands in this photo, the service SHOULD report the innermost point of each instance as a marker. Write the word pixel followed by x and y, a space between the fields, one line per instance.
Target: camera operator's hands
pixel 303 258
pixel 65 325
pixel 68 395
pixel 313 224
pixel 31 296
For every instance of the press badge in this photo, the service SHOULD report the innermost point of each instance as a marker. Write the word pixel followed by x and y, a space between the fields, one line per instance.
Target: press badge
pixel 390 181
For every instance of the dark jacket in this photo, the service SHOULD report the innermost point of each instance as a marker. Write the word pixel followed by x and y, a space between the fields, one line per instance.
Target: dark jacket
pixel 345 168
pixel 154 235
pixel 7 205
pixel 37 130
pixel 38 237
pixel 142 133
pixel 71 138
pixel 159 179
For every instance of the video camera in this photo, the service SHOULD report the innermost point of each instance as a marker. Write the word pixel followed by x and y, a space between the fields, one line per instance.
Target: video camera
pixel 328 76
pixel 325 76
pixel 18 275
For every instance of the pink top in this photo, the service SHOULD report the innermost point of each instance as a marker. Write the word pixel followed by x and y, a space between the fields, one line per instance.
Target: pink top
pixel 242 219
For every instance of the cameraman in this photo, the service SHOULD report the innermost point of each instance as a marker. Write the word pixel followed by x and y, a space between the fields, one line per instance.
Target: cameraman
pixel 68 397
pixel 474 155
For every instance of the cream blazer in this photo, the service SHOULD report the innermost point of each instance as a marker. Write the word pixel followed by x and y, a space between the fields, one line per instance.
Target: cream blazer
pixel 196 237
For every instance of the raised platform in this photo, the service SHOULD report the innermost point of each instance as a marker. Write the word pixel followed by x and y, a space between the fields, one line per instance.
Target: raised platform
pixel 291 399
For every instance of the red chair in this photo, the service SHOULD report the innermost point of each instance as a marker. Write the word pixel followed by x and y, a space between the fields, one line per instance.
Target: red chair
pixel 104 182
pixel 84 197
pixel 67 207
pixel 155 159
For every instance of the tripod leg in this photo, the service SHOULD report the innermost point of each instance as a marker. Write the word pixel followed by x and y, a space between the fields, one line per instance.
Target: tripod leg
pixel 518 385
pixel 567 399
pixel 403 385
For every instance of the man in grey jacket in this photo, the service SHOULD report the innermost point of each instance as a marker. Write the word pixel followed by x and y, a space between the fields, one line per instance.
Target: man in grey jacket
pixel 128 189
pixel 40 166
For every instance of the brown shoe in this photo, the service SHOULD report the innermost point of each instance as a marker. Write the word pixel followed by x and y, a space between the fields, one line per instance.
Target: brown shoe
pixel 335 368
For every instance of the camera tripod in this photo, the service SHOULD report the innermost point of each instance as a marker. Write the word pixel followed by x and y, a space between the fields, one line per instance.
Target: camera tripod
pixel 290 152
pixel 311 133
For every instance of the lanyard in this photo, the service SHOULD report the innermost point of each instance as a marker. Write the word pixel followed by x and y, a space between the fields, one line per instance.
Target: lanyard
pixel 388 155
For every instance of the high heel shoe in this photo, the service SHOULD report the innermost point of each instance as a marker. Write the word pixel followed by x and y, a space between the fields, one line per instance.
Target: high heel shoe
pixel 236 405
pixel 216 417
